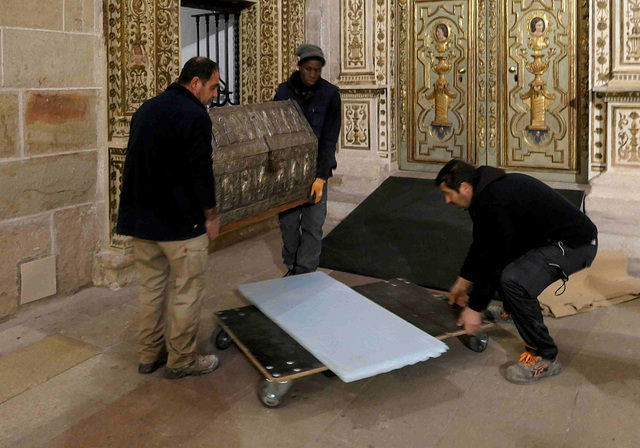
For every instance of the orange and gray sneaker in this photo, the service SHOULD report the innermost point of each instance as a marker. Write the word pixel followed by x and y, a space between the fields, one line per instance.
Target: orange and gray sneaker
pixel 497 313
pixel 532 368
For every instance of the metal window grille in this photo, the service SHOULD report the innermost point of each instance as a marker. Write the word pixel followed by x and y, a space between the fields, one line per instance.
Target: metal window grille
pixel 216 24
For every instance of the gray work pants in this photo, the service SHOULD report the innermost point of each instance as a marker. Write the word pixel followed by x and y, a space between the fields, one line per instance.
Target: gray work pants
pixel 301 229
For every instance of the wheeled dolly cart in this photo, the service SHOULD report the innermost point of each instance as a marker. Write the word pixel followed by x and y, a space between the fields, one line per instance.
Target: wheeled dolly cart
pixel 281 359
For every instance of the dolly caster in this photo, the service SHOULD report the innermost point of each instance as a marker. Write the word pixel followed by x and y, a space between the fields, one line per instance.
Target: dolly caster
pixel 477 342
pixel 222 339
pixel 270 393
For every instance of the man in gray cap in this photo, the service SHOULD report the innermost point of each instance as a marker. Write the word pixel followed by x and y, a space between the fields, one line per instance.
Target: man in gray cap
pixel 319 100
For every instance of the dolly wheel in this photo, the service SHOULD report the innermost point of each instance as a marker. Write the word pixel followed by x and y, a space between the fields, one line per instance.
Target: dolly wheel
pixel 222 340
pixel 270 393
pixel 478 342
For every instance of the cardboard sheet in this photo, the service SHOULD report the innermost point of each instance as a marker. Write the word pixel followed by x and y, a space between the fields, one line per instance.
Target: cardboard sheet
pixel 354 337
pixel 605 283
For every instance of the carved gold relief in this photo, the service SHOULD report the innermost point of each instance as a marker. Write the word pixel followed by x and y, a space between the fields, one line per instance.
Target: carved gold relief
pixel 626 137
pixel 602 48
pixel 441 96
pixel 625 43
pixel 380 48
pixel 116 168
pixel 632 31
pixel 354 34
pixel 293 20
pixel 538 98
pixel 492 99
pixel 599 134
pixel 142 55
pixel 355 119
pixel 269 50
pixel 482 73
pixel 270 32
pixel 402 68
pixel 248 58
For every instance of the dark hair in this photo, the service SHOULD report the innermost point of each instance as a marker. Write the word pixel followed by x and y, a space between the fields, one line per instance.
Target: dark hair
pixel 454 173
pixel 199 67
pixel 534 21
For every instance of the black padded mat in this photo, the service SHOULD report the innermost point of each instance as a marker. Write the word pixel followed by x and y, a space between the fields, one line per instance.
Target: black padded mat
pixel 404 229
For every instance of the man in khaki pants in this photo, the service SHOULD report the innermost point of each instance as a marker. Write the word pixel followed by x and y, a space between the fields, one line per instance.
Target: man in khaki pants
pixel 168 206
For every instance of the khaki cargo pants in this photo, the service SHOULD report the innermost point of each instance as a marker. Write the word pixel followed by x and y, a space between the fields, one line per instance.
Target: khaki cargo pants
pixel 176 321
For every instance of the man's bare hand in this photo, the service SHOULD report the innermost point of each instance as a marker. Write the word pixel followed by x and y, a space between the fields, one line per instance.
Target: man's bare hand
pixel 471 321
pixel 458 292
pixel 213 228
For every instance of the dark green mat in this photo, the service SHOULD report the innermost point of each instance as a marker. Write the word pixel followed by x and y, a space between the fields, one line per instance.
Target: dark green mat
pixel 404 229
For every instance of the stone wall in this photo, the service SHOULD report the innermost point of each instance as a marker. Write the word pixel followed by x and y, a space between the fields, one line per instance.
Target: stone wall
pixel 52 117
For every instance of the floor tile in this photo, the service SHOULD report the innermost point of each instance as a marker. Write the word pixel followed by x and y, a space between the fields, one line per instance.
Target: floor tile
pixel 35 363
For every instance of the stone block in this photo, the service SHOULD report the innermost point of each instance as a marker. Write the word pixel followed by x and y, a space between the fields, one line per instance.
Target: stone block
pixel 37 14
pixel 9 126
pixel 78 15
pixel 19 242
pixel 60 121
pixel 76 233
pixel 34 59
pixel 46 183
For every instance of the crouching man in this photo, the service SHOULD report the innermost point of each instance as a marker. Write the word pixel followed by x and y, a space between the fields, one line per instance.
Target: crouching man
pixel 525 237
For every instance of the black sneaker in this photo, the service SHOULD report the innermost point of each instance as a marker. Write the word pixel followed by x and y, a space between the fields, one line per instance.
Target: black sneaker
pixel 532 368
pixel 200 366
pixel 146 369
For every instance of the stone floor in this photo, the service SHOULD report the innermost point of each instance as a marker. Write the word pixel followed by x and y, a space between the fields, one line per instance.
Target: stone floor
pixel 68 378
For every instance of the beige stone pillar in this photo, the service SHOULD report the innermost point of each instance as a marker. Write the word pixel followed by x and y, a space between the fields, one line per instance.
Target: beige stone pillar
pixel 357 39
pixel 614 199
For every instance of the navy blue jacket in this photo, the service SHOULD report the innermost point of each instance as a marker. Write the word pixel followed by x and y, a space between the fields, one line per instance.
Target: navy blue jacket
pixel 167 181
pixel 321 106
pixel 512 214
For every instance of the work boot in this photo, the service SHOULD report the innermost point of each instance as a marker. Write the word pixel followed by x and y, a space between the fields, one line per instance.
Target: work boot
pixel 532 368
pixel 202 365
pixel 496 313
pixel 151 367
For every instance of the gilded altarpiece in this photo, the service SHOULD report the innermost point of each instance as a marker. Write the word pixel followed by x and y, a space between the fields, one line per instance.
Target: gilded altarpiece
pixel 270 32
pixel 502 83
pixel 143 57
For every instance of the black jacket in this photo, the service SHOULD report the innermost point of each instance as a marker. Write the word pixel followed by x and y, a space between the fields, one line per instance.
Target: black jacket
pixel 321 106
pixel 512 214
pixel 168 172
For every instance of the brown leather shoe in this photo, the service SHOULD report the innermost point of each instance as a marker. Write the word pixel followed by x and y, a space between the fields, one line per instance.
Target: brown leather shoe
pixel 202 365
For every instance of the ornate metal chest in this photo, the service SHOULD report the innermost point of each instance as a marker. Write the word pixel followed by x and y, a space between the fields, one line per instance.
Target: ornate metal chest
pixel 264 160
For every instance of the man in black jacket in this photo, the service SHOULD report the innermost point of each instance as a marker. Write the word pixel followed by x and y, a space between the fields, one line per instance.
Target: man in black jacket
pixel 168 206
pixel 525 237
pixel 319 100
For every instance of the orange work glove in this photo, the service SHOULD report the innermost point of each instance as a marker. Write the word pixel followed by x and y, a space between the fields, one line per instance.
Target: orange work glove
pixel 316 189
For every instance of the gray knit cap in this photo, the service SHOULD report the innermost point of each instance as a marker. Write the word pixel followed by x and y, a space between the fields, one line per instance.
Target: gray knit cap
pixel 309 51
